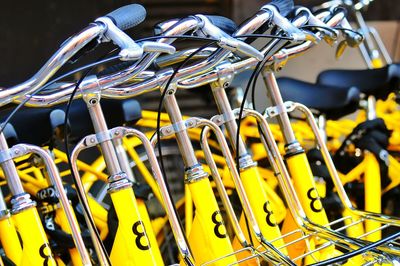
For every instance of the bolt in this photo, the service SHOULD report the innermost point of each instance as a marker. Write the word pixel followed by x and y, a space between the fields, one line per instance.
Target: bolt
pixel 92 140
pixel 93 101
pixel 116 133
pixel 16 151
pixel 168 130
pixel 226 85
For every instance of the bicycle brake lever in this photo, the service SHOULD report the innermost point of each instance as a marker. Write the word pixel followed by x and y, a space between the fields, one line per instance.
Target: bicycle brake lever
pixel 225 40
pixel 130 50
pixel 330 36
pixel 340 49
pixel 353 39
pixel 285 25
pixel 310 36
pixel 156 47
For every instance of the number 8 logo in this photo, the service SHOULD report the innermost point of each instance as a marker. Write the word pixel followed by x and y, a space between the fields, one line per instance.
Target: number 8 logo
pixel 216 218
pixel 49 256
pixel 140 235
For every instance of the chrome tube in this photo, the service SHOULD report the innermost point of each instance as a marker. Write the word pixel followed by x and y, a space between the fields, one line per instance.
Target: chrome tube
pixel 9 169
pixel 182 137
pixel 3 206
pixel 381 45
pixel 168 204
pixel 221 188
pixel 123 159
pixel 335 176
pixel 101 129
pixel 276 99
pixel 235 175
pixel 225 109
pixel 22 149
pixel 87 142
pixel 289 192
pixel 239 188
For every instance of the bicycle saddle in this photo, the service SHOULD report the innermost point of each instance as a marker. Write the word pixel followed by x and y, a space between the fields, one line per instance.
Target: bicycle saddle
pixel 116 113
pixel 334 102
pixel 38 126
pixel 377 82
pixel 32 125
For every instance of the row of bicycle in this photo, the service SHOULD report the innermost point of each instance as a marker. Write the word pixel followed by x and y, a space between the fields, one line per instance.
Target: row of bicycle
pixel 232 189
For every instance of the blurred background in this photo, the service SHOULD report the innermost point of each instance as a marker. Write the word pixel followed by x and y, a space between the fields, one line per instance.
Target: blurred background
pixel 31 31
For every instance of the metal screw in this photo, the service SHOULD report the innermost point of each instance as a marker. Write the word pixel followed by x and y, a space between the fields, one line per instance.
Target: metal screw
pixel 226 85
pixel 93 101
pixel 92 140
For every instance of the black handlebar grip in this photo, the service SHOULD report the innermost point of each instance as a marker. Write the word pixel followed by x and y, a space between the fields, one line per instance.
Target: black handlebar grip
pixel 128 16
pixel 284 6
pixel 223 23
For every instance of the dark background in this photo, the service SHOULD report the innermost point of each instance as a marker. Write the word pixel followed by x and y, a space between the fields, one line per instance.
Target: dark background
pixel 31 31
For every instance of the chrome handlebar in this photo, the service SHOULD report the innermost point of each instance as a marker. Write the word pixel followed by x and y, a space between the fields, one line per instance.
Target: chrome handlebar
pixel 188 24
pixel 67 50
pixel 185 78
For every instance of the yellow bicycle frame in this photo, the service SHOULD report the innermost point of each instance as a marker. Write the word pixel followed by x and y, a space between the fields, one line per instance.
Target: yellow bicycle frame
pixel 135 242
pixel 36 249
pixel 9 239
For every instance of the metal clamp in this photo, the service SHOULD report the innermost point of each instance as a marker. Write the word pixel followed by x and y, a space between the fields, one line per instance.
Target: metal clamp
pixel 223 118
pixel 273 111
pixel 195 173
pixel 21 202
pixel 225 74
pixel 169 130
pixel 118 182
pixel 103 136
pixel 5 155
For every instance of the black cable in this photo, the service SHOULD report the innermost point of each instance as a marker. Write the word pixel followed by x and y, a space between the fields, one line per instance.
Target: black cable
pixel 28 97
pixel 161 161
pixel 270 36
pixel 67 152
pixel 162 99
pixel 332 30
pixel 252 80
pixel 350 30
pixel 359 251
pixel 91 65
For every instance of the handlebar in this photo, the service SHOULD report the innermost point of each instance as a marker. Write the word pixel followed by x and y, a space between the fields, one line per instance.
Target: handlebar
pixel 353 5
pixel 103 27
pixel 190 73
pixel 127 17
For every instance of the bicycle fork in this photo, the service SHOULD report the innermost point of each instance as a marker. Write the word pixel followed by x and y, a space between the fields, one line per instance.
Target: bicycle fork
pixel 8 233
pixel 35 246
pixel 250 177
pixel 134 242
pixel 208 216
